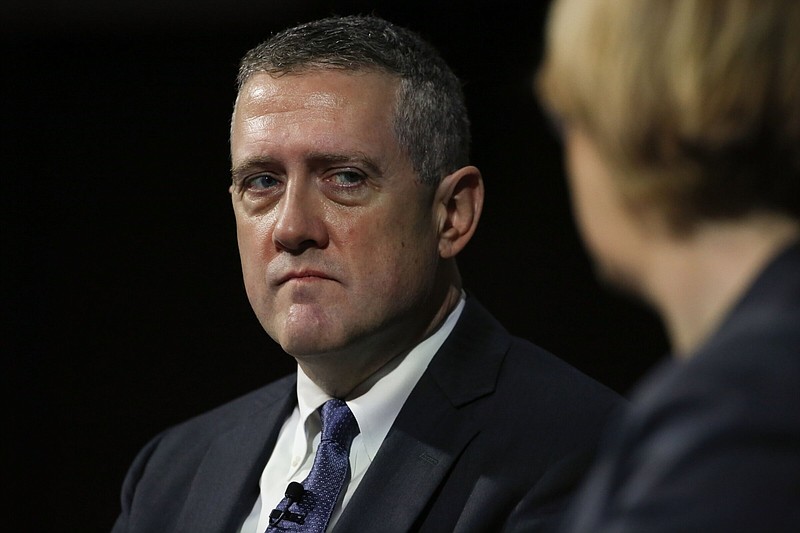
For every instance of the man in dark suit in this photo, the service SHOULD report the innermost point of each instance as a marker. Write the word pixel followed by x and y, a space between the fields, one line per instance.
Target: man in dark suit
pixel 353 195
pixel 681 122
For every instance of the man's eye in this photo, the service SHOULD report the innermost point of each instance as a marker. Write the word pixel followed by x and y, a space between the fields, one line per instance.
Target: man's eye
pixel 346 178
pixel 261 182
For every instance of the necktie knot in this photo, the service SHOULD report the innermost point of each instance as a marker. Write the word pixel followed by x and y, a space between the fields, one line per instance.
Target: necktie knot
pixel 338 423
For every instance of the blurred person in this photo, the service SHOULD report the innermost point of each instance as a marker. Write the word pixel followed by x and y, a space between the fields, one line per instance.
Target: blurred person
pixel 412 409
pixel 681 125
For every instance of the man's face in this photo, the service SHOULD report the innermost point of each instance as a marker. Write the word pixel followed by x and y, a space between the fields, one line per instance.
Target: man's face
pixel 338 241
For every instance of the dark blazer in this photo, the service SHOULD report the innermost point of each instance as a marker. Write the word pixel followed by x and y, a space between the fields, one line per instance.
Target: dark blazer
pixel 491 417
pixel 713 443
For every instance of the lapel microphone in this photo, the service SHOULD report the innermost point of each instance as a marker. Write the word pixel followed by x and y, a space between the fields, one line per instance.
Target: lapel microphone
pixel 294 492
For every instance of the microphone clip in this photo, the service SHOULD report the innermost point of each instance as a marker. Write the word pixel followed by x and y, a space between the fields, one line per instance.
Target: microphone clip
pixel 277 515
pixel 294 493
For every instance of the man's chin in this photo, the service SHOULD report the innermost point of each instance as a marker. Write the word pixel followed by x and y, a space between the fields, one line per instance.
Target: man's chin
pixel 310 346
pixel 302 349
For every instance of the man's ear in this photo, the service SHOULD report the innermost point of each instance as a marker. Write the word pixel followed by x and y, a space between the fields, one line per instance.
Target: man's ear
pixel 458 205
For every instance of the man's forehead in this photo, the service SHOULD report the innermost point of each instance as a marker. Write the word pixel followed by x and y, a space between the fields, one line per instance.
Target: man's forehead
pixel 318 95
pixel 321 111
pixel 261 86
pixel 264 87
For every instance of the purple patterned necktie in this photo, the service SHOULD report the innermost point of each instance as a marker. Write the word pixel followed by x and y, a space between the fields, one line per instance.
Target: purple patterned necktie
pixel 328 474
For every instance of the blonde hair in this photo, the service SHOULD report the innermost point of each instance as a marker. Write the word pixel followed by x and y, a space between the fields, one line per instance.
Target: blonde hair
pixel 695 103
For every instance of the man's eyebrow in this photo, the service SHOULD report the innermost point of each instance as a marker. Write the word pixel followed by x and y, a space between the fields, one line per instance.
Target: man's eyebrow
pixel 240 171
pixel 251 164
pixel 354 158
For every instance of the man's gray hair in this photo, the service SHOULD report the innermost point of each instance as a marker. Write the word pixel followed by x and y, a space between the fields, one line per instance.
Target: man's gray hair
pixel 430 116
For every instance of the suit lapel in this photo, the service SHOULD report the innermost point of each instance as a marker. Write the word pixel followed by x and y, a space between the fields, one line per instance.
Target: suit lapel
pixel 226 484
pixel 432 429
pixel 408 468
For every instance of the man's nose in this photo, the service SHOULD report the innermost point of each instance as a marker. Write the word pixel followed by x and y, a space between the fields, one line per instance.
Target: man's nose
pixel 300 220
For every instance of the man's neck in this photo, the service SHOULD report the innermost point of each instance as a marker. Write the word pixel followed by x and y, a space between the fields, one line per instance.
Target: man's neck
pixel 694 281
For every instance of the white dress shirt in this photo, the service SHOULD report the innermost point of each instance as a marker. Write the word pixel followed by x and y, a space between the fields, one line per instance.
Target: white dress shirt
pixel 374 404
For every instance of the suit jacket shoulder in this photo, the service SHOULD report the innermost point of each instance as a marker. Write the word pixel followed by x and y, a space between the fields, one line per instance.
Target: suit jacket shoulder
pixel 713 443
pixel 493 418
pixel 202 474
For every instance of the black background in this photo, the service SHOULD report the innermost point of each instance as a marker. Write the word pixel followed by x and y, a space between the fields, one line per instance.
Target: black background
pixel 125 310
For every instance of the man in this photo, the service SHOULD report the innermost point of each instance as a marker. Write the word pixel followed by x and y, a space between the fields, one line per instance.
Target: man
pixel 682 129
pixel 412 409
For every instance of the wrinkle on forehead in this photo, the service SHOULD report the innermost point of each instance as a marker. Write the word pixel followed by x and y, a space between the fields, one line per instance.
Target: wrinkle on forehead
pixel 264 86
pixel 258 93
pixel 320 100
pixel 249 107
pixel 260 122
pixel 270 109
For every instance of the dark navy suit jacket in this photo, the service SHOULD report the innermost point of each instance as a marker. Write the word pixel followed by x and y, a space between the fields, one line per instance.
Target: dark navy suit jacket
pixel 713 443
pixel 492 418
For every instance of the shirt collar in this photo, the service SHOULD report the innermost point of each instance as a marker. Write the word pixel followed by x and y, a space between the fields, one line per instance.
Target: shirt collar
pixel 385 391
